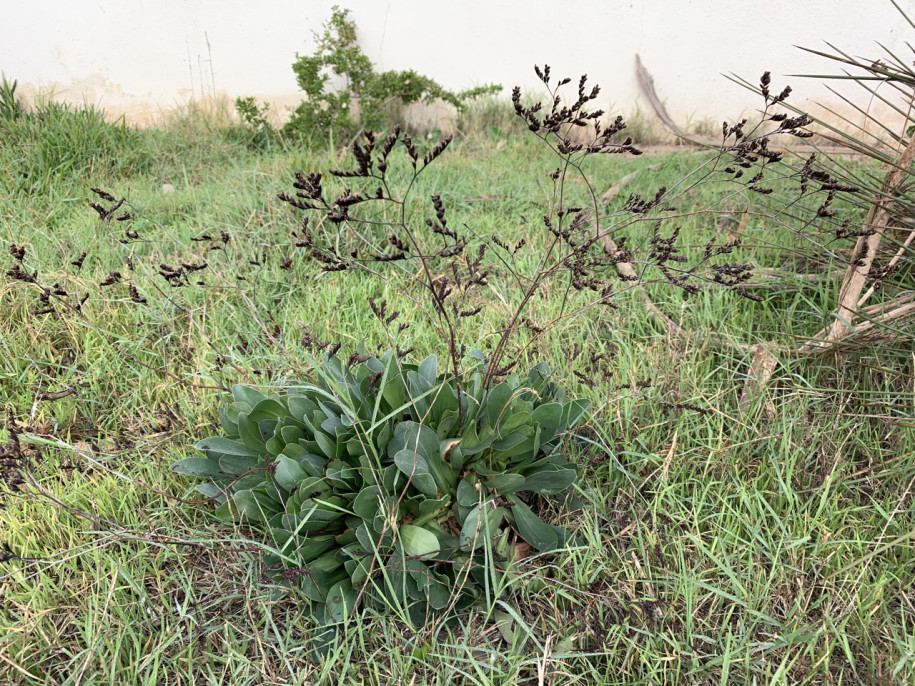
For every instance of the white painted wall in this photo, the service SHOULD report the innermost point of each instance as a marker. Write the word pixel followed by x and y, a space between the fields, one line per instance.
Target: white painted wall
pixel 139 58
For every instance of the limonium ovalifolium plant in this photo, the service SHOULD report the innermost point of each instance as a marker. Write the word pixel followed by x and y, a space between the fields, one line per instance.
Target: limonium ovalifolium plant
pixel 383 484
pixel 407 487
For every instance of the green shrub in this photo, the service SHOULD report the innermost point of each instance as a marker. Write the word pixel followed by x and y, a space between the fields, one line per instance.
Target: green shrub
pixel 256 131
pixel 373 480
pixel 329 113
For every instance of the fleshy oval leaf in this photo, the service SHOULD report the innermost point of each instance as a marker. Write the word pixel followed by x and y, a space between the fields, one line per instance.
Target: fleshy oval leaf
pixel 225 446
pixel 368 503
pixel 268 408
pixel 550 480
pixel 507 483
pixel 533 529
pixel 245 394
pixel 341 599
pixel 287 473
pixel 197 466
pixel 418 541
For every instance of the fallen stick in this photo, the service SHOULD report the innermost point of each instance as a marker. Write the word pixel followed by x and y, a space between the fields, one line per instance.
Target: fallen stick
pixel 761 368
pixel 625 268
pixel 897 313
pixel 615 188
pixel 768 276
pixel 647 84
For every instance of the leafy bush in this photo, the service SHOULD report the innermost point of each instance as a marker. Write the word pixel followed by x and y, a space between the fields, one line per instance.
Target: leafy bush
pixel 388 484
pixel 332 113
pixel 257 132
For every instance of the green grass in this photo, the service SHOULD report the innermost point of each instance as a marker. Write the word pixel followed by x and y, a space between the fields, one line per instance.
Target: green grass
pixel 766 545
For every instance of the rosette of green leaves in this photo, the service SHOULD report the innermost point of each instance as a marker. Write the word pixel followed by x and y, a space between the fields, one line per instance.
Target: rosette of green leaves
pixel 387 484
